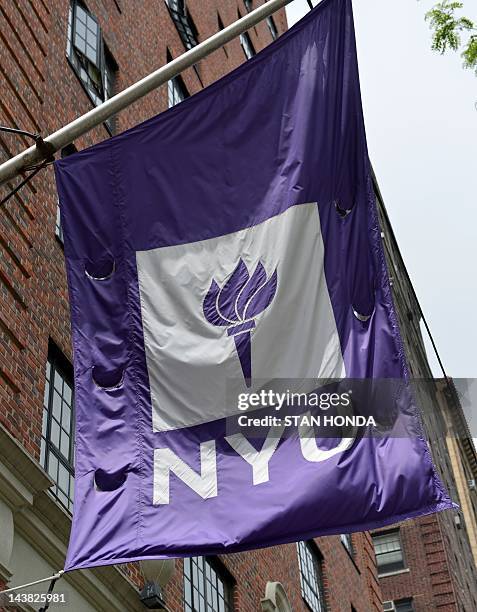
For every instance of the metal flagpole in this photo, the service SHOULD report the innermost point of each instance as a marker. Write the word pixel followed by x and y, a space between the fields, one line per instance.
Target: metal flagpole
pixel 56 576
pixel 125 98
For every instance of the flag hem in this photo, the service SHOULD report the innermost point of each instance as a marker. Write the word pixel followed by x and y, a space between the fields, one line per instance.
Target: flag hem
pixel 369 526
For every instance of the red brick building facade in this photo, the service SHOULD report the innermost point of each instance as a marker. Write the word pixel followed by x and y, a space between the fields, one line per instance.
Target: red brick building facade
pixel 58 59
pixel 432 563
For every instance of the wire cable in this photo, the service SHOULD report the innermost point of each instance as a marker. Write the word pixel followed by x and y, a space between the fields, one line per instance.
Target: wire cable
pixel 9 130
pixel 23 183
pixel 406 273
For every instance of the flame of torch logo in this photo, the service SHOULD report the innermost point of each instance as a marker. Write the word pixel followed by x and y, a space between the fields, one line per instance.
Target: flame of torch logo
pixel 235 306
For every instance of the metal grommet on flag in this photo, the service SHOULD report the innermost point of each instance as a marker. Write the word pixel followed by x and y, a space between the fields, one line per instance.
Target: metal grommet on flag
pixel 364 318
pixel 107 378
pixel 110 480
pixel 101 270
pixel 343 212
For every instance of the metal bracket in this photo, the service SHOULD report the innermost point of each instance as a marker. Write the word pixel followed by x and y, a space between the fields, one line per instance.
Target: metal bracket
pixel 46 149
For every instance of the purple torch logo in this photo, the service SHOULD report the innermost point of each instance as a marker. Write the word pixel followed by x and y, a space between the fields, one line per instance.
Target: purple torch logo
pixel 235 306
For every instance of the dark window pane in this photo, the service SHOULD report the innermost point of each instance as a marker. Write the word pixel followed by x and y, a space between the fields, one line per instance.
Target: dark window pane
pixel 404 605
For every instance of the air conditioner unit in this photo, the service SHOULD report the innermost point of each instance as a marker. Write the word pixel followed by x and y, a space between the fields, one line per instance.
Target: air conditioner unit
pixel 472 485
pixel 388 606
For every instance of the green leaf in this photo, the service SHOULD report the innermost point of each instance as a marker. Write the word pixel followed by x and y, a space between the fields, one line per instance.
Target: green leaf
pixel 447 30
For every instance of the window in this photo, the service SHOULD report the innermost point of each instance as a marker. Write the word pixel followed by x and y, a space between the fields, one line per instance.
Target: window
pixel 91 60
pixel 311 576
pixel 176 89
pixel 183 21
pixel 67 150
pixel 57 437
pixel 247 45
pixel 403 605
pixel 248 4
pixel 58 227
pixel 207 586
pixel 272 27
pixel 347 542
pixel 388 550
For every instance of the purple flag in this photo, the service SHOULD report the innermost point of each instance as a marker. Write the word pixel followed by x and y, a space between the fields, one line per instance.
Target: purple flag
pixel 231 241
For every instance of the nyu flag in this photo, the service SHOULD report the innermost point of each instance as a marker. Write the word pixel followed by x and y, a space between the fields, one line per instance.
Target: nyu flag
pixel 230 241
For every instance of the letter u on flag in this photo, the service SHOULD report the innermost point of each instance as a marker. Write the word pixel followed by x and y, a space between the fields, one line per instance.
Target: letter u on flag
pixel 232 239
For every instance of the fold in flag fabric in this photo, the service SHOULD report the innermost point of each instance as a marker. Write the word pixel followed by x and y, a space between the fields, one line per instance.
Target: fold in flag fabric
pixel 232 240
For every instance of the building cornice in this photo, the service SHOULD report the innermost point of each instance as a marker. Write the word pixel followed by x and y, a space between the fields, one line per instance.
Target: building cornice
pixel 21 477
pixel 46 526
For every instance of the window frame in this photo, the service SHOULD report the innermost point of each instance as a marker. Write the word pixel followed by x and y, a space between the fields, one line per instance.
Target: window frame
pixel 58 226
pixel 176 82
pixel 184 23
pixel 245 36
pixel 347 542
pixel 211 566
pixel 77 4
pixel 272 26
pixel 406 601
pixel 318 588
pixel 389 568
pixel 57 364
pixel 105 63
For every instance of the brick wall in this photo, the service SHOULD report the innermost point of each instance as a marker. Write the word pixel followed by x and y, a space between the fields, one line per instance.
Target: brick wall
pixel 344 577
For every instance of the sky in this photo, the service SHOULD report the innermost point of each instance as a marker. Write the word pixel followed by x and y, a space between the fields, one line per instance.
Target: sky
pixel 421 123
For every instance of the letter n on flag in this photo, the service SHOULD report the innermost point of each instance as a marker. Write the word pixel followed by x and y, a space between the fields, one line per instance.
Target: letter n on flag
pixel 232 238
